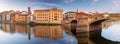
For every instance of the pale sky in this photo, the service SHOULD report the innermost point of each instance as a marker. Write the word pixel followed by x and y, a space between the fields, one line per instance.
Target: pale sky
pixel 66 5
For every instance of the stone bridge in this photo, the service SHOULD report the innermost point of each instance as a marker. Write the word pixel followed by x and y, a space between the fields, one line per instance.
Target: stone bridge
pixel 90 22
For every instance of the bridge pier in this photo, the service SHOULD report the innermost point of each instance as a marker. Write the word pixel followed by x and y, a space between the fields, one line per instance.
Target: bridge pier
pixel 82 24
pixel 82 28
pixel 83 38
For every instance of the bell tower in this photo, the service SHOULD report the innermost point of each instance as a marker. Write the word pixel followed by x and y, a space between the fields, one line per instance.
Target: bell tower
pixel 29 11
pixel 30 16
pixel 77 11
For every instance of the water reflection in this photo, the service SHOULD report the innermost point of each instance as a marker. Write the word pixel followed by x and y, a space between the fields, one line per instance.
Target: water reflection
pixel 82 38
pixel 53 32
pixel 24 34
pixel 93 37
pixel 112 33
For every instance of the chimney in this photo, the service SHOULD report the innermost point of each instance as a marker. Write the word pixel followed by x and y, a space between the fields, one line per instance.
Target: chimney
pixel 29 11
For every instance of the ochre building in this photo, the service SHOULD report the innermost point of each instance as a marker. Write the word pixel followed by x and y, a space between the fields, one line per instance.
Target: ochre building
pixel 19 17
pixel 53 15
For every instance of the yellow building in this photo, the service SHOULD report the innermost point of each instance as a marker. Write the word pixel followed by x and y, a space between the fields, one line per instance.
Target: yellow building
pixel 53 15
pixel 53 32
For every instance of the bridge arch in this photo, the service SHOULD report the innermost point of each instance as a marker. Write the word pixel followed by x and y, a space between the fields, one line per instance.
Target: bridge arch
pixel 73 22
pixel 99 21
pixel 96 24
pixel 73 26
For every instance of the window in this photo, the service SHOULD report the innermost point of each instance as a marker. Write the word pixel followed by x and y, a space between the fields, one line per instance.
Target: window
pixel 55 13
pixel 55 16
pixel 55 19
pixel 38 17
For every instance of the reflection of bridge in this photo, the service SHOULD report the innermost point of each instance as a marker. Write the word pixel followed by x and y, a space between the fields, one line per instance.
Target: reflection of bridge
pixel 83 38
pixel 93 37
pixel 90 22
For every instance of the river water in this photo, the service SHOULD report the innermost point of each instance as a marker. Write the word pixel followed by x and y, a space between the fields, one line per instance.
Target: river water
pixel 25 34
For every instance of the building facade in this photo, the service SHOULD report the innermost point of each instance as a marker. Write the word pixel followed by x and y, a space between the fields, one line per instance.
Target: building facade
pixel 20 16
pixel 53 15
pixel 6 16
pixel 17 16
pixel 70 15
pixel 30 17
pixel 3 15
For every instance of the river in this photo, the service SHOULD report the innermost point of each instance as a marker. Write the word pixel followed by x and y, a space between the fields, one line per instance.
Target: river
pixel 25 34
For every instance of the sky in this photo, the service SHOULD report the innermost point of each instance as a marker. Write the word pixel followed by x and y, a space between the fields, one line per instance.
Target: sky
pixel 65 5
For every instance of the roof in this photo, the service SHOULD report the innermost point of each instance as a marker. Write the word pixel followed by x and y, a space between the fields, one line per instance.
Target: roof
pixel 49 9
pixel 81 13
pixel 70 12
pixel 22 13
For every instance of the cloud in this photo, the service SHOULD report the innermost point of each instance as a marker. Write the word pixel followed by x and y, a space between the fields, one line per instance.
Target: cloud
pixel 94 1
pixel 37 8
pixel 116 3
pixel 44 3
pixel 4 6
pixel 67 1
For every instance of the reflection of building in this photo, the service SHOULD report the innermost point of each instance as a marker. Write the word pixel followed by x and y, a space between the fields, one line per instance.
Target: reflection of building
pixel 54 32
pixel 48 16
pixel 20 28
pixel 6 27
pixel 11 28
